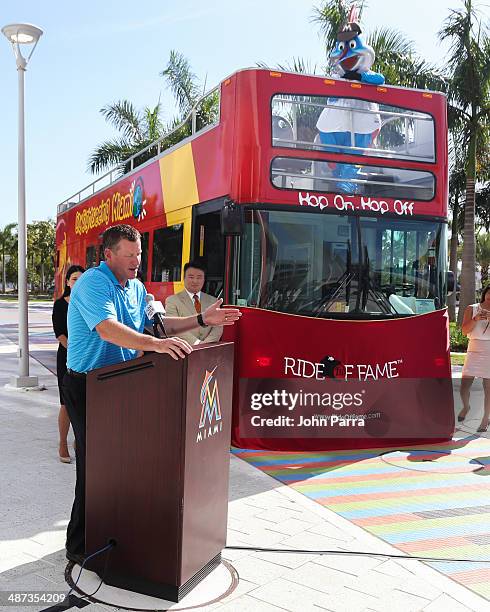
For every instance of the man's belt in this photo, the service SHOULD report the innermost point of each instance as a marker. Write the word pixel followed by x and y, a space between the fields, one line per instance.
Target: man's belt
pixel 76 374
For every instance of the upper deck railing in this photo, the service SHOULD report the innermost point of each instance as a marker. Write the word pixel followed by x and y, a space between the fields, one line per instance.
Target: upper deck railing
pixel 159 145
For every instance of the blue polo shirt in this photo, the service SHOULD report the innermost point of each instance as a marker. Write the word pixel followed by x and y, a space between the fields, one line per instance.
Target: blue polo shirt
pixel 97 296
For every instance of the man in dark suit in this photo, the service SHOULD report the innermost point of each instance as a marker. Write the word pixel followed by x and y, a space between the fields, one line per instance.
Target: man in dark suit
pixel 191 301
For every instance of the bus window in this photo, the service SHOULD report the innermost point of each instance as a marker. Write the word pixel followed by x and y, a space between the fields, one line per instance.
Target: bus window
pixel 167 254
pixel 143 269
pixel 209 248
pixel 406 262
pixel 352 126
pixel 363 180
pixel 90 257
pixel 296 262
pixel 335 265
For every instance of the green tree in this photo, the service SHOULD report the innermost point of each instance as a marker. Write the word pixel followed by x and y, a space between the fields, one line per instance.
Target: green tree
pixel 138 130
pixel 482 205
pixel 483 256
pixel 469 95
pixel 8 246
pixel 457 181
pixel 187 91
pixel 40 254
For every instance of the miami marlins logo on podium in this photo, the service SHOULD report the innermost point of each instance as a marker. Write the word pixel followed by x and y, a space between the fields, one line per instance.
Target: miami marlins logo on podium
pixel 210 422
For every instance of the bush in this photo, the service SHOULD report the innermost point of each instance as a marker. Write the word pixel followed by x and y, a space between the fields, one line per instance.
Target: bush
pixel 457 340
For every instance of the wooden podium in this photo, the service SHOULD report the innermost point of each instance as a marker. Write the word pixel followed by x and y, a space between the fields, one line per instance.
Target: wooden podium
pixel 158 437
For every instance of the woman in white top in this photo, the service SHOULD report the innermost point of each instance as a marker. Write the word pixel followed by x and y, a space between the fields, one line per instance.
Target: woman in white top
pixel 476 325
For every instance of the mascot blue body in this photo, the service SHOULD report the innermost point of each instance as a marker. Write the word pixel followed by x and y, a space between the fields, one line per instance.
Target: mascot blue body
pixel 338 125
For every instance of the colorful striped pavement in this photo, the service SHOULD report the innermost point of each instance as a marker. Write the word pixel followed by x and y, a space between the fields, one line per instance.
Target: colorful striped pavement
pixel 432 501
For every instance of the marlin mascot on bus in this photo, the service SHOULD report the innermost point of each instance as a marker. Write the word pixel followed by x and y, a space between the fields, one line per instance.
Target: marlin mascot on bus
pixel 351 59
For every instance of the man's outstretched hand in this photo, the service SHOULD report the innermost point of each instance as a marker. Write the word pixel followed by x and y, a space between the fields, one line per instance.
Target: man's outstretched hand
pixel 214 315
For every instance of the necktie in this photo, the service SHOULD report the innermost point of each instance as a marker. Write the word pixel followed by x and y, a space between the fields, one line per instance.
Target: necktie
pixel 197 303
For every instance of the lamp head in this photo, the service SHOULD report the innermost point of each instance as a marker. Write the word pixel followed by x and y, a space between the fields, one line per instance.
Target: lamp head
pixel 22 34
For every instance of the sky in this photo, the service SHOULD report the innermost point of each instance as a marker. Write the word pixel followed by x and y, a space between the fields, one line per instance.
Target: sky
pixel 93 53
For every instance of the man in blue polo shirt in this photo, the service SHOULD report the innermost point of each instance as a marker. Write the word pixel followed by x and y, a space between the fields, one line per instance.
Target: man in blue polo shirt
pixel 106 319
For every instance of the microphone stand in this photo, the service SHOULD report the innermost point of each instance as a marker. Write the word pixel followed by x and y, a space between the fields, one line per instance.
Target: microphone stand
pixel 158 328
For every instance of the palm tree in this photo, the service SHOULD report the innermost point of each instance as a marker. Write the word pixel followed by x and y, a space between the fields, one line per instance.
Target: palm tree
pixel 457 180
pixel 8 243
pixel 469 95
pixel 482 206
pixel 187 91
pixel 297 64
pixel 483 256
pixel 41 240
pixel 138 130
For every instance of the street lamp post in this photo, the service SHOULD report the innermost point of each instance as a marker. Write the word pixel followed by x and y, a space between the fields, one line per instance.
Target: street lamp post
pixel 22 34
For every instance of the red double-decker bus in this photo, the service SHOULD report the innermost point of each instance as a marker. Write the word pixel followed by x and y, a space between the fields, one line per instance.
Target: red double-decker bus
pixel 333 248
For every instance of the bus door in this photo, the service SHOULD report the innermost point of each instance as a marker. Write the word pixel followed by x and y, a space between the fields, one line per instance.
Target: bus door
pixel 208 246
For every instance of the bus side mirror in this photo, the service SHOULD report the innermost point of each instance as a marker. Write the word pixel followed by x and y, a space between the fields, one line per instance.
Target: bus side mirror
pixel 232 219
pixel 450 282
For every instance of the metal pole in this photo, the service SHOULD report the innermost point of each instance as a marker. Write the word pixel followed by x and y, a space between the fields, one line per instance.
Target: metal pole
pixel 23 380
pixel 22 242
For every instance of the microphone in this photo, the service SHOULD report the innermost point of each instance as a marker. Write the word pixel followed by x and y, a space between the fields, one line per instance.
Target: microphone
pixel 155 310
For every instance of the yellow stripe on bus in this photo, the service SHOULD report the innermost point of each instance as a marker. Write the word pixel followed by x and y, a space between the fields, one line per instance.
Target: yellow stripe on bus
pixel 179 184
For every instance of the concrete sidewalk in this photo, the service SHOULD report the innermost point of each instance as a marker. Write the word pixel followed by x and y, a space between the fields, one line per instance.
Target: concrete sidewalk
pixel 37 491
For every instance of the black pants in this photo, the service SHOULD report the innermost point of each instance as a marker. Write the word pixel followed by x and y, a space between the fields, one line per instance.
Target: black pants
pixel 74 393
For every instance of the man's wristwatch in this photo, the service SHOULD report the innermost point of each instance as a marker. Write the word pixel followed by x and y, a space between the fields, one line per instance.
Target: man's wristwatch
pixel 200 320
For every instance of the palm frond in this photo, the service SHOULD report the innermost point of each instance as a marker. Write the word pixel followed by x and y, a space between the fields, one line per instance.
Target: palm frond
pixel 124 117
pixel 181 80
pixel 296 64
pixel 109 154
pixel 387 42
pixel 331 15
pixel 153 123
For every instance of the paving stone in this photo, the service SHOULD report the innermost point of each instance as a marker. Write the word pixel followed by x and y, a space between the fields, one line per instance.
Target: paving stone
pixel 346 599
pixel 290 560
pixel 290 526
pixel 231 555
pixel 401 602
pixel 319 577
pixel 278 514
pixel 244 586
pixel 236 524
pixel 292 596
pixel 250 604
pixel 257 537
pixel 444 603
pixel 351 564
pixel 391 567
pixel 19 564
pixel 403 581
pixel 257 570
pixel 241 511
pixel 32 582
pixel 312 541
pixel 54 573
pixel 329 530
pixel 265 500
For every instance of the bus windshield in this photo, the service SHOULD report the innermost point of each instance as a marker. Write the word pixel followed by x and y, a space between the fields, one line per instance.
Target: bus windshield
pixel 328 265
